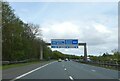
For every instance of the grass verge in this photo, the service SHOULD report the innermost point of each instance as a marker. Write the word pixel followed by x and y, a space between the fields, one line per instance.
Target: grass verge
pixel 20 65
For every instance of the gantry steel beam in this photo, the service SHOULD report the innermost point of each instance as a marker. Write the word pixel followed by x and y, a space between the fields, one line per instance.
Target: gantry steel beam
pixel 79 44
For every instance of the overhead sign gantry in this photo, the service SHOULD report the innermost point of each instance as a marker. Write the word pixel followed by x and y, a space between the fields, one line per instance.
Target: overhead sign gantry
pixel 66 43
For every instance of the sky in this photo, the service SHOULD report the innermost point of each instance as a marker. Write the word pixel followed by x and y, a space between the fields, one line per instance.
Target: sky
pixel 94 23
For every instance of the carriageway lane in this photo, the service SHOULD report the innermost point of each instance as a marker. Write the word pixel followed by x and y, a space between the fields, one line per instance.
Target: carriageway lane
pixel 72 70
pixel 84 71
pixel 17 71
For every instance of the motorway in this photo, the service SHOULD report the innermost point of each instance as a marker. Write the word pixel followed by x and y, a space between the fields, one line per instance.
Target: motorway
pixel 68 70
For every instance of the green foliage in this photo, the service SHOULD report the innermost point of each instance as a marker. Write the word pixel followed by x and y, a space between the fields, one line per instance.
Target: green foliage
pixel 107 57
pixel 57 55
pixel 19 38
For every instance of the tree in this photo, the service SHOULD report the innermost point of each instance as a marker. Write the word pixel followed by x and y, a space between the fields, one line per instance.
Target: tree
pixel 19 38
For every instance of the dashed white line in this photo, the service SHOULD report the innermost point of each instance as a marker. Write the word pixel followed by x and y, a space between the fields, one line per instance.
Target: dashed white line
pixel 65 69
pixel 71 78
pixel 30 72
pixel 93 70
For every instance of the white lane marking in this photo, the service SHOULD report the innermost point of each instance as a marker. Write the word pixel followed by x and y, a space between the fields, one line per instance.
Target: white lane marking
pixel 65 69
pixel 71 78
pixel 93 70
pixel 31 71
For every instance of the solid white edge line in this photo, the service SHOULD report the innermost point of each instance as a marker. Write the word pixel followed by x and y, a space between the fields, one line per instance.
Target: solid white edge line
pixel 31 71
pixel 71 78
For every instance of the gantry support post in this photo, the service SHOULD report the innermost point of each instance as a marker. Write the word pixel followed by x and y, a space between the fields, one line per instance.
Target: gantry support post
pixel 85 50
pixel 85 53
pixel 41 52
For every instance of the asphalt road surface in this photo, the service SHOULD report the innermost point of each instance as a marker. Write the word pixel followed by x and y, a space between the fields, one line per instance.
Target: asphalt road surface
pixel 68 70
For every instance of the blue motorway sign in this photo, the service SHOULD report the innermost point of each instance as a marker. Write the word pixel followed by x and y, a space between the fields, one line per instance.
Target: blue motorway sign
pixel 64 43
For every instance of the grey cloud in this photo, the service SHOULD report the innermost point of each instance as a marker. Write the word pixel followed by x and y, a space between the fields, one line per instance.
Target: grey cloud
pixel 98 37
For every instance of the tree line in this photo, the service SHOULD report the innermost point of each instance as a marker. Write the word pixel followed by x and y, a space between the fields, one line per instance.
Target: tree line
pixel 106 57
pixel 20 41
